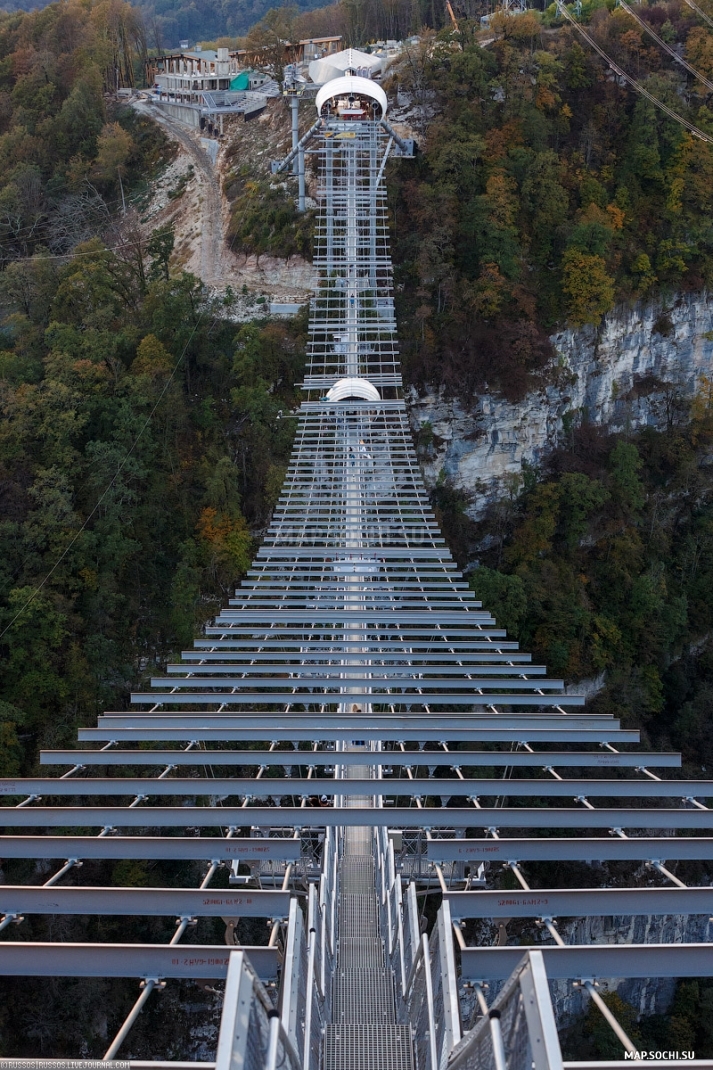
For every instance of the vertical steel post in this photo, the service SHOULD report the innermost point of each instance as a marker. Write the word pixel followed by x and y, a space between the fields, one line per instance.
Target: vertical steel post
pixel 301 179
pixel 329 205
pixel 294 106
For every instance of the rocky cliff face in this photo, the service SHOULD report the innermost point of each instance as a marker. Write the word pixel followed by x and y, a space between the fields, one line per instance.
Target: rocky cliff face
pixel 650 995
pixel 636 369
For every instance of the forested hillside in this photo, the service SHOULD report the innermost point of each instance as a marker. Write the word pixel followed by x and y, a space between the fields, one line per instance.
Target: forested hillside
pixel 604 565
pixel 545 191
pixel 66 151
pixel 98 350
pixel 166 22
pixel 141 444
pixel 99 354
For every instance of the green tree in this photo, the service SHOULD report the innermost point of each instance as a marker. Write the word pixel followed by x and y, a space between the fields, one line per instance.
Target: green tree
pixel 115 147
pixel 502 595
pixel 625 464
pixel 588 288
pixel 159 248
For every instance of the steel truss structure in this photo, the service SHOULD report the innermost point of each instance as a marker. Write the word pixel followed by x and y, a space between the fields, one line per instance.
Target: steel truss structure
pixel 400 745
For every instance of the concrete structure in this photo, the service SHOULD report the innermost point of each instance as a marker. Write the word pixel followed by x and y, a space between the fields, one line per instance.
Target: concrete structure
pixel 299 52
pixel 199 88
pixel 183 76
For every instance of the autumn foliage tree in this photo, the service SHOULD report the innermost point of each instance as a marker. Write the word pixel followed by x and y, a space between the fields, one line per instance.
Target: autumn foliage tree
pixel 544 192
pixel 588 289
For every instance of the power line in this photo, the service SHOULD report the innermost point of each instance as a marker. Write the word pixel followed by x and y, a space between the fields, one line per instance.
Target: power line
pixel 671 51
pixel 632 81
pixel 72 255
pixel 703 15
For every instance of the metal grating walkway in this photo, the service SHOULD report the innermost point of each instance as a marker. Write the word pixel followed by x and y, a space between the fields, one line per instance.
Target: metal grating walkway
pixel 363 1034
pixel 368 1047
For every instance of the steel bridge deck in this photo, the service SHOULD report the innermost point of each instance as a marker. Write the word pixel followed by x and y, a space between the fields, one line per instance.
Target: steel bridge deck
pixel 354 633
pixel 363 1033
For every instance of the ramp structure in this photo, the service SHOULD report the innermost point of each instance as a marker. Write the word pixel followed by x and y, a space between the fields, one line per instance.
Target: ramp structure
pixel 362 747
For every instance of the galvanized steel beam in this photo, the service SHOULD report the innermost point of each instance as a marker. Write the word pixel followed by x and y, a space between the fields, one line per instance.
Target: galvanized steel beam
pixel 592 960
pixel 179 848
pixel 325 731
pixel 144 902
pixel 580 902
pixel 305 698
pixel 307 817
pixel 560 849
pixel 398 759
pixel 129 960
pixel 356 723
pixel 414 786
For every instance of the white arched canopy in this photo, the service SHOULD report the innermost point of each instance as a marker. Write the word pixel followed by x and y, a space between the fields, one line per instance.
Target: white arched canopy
pixel 353 388
pixel 337 64
pixel 351 86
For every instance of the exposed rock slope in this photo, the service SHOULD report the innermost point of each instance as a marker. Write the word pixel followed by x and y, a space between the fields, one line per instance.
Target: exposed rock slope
pixel 635 370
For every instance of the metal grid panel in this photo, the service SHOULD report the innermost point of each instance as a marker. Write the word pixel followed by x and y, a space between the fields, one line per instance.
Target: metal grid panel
pixel 363 996
pixel 368 1047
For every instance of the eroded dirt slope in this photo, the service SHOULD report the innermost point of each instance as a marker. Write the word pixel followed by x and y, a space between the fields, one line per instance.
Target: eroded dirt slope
pixel 189 194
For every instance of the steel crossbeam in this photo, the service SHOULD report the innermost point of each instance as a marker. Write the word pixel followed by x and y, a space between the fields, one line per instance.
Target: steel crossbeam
pixel 129 960
pixel 336 731
pixel 307 817
pixel 561 849
pixel 320 675
pixel 399 759
pixel 178 848
pixel 375 630
pixel 397 683
pixel 586 902
pixel 365 616
pixel 283 785
pixel 355 722
pixel 432 644
pixel 592 960
pixel 438 698
pixel 392 580
pixel 329 660
pixel 144 902
pixel 303 600
pixel 411 553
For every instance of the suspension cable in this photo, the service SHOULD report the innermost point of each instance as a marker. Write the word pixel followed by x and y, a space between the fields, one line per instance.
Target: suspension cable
pixel 671 51
pixel 632 81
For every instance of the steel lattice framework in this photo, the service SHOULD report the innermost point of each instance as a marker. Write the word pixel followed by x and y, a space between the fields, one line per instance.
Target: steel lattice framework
pixel 357 664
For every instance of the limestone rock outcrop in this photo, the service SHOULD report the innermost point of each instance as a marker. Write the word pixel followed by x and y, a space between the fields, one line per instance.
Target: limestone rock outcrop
pixel 635 370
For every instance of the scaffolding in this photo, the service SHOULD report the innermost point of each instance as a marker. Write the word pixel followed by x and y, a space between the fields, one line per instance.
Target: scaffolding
pixel 398 745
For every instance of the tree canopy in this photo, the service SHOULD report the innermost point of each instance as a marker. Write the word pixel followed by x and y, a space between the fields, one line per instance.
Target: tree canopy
pixel 544 191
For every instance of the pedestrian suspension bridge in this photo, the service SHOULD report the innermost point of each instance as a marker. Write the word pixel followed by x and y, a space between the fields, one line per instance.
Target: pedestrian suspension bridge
pixel 362 748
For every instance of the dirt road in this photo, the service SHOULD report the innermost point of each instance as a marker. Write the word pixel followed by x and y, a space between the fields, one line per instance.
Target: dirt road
pixel 209 197
pixel 188 193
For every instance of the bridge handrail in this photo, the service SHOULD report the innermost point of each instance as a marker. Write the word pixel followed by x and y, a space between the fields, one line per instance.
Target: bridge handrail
pixel 519 1031
pixel 251 1032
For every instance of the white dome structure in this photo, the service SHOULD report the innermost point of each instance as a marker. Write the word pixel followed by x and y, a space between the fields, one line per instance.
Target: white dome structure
pixel 341 91
pixel 351 59
pixel 353 388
